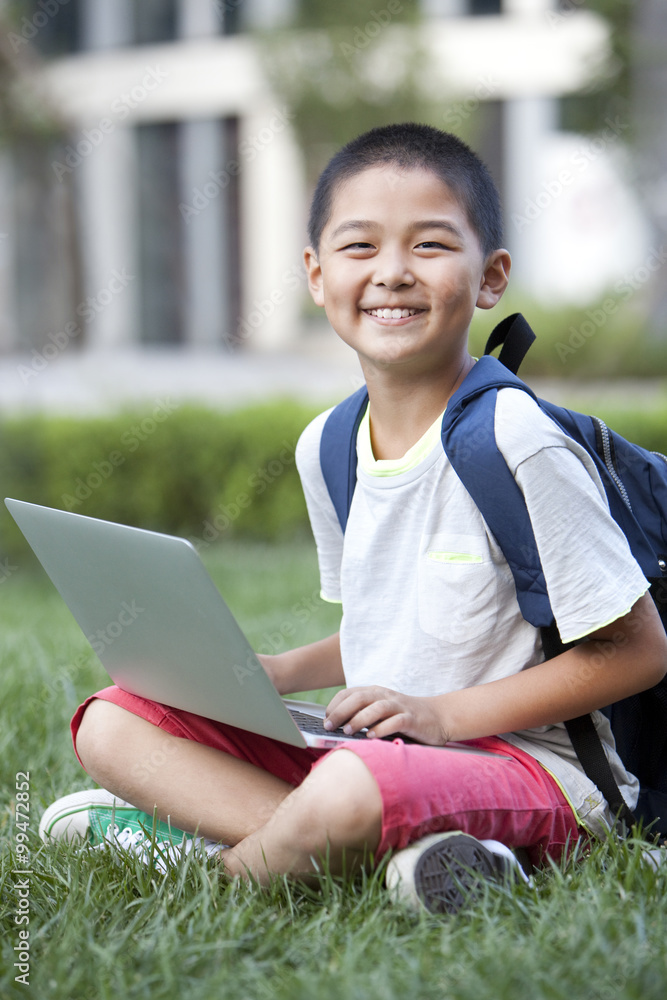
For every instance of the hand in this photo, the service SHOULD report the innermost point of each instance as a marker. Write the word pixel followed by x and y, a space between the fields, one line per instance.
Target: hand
pixel 271 664
pixel 383 712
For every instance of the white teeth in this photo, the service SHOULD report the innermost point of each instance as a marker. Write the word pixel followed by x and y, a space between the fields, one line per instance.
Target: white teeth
pixel 392 313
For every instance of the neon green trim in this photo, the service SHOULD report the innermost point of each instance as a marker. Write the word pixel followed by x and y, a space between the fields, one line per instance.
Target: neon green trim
pixel 575 638
pixel 454 557
pixel 330 600
pixel 564 793
pixel 394 466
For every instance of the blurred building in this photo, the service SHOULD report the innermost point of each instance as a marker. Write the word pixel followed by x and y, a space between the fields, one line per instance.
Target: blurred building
pixel 173 210
pixel 166 107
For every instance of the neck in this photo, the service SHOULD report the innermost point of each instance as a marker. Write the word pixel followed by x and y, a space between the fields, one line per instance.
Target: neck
pixel 402 408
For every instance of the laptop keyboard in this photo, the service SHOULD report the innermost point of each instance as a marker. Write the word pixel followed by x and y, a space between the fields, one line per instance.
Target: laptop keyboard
pixel 312 724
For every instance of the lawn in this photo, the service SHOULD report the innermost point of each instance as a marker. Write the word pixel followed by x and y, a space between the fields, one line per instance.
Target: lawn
pixel 591 930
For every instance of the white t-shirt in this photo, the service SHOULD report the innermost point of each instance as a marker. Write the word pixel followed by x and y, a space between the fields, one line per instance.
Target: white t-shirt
pixel 429 603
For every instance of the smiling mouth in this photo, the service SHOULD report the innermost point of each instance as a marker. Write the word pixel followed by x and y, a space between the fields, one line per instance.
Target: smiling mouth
pixel 395 313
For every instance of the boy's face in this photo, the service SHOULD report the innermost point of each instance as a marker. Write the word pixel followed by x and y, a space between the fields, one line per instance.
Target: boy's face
pixel 400 269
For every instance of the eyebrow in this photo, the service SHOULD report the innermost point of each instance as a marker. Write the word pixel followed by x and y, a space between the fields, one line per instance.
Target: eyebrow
pixel 357 225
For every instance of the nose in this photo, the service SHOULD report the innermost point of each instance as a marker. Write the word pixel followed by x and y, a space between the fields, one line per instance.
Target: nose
pixel 392 269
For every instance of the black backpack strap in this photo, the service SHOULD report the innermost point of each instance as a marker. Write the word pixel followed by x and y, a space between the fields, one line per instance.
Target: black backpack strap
pixel 589 750
pixel 587 744
pixel 516 336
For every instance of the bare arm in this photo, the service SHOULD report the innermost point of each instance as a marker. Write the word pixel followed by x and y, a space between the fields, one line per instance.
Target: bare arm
pixel 317 665
pixel 621 659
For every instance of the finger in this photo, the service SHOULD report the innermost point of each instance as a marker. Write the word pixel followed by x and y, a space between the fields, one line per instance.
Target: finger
pixel 338 700
pixel 393 725
pixel 371 716
pixel 345 704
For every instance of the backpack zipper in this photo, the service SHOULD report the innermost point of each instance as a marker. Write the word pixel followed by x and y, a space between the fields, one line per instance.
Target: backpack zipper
pixel 605 444
pixel 661 562
pixel 608 458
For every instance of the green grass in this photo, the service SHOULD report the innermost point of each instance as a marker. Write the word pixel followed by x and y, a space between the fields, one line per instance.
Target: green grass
pixel 103 929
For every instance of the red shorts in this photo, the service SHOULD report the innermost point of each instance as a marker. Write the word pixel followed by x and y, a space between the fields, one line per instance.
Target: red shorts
pixel 424 789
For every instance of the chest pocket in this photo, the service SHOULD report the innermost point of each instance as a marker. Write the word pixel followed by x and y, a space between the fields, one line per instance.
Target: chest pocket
pixel 457 588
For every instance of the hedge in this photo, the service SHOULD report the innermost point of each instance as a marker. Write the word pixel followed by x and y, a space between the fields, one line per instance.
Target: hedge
pixel 608 339
pixel 194 472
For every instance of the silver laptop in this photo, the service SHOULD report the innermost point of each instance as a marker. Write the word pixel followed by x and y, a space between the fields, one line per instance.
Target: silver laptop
pixel 157 622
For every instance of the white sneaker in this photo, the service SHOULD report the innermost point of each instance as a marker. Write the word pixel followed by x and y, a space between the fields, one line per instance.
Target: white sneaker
pixel 654 857
pixel 89 814
pixel 101 819
pixel 440 871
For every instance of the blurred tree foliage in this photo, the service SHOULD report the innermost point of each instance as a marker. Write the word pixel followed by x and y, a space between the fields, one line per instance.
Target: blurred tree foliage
pixel 26 112
pixel 344 68
pixel 610 96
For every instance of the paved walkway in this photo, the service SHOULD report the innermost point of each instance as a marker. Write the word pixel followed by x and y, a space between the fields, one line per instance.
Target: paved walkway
pixel 321 370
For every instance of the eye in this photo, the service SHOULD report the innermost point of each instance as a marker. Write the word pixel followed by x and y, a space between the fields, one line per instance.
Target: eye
pixel 432 245
pixel 360 249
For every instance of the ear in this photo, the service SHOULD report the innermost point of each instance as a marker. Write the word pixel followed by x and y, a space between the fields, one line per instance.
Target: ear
pixel 494 279
pixel 314 274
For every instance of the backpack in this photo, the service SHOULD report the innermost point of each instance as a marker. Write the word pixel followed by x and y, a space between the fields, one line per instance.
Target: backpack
pixel 635 481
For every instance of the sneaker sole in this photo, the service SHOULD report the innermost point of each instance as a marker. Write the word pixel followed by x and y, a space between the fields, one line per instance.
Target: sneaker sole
pixel 450 870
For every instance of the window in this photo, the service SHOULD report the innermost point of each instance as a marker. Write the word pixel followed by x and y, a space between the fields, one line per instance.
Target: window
pixel 53 28
pixel 481 7
pixel 154 21
pixel 188 232
pixel 160 247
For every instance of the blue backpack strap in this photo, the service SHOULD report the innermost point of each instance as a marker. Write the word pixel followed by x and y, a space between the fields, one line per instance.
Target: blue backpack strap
pixel 338 451
pixel 469 440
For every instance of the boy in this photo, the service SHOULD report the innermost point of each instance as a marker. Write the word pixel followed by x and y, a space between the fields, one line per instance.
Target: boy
pixel 405 243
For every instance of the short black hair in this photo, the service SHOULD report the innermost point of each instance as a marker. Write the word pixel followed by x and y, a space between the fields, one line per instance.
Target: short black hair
pixel 411 145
